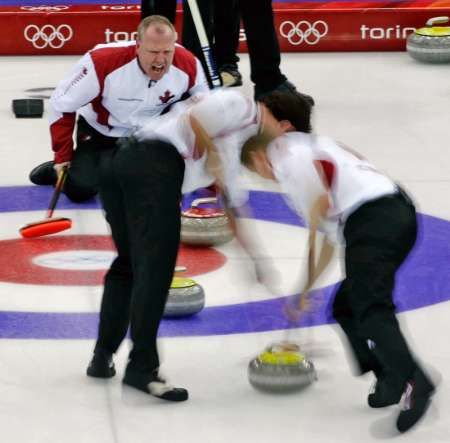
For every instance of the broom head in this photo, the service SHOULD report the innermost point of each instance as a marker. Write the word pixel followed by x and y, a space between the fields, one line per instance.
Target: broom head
pixel 45 227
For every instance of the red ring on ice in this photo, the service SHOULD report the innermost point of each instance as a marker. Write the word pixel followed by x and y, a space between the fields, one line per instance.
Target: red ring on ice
pixel 16 260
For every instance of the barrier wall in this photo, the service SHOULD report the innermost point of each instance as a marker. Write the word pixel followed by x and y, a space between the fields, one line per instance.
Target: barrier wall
pixel 301 27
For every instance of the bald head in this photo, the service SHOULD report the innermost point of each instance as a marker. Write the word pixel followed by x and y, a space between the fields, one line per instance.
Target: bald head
pixel 156 46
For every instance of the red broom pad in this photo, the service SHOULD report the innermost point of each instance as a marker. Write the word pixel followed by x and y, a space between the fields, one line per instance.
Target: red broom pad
pixel 49 225
pixel 45 227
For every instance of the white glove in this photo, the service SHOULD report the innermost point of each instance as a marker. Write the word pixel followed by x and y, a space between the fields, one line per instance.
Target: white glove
pixel 58 167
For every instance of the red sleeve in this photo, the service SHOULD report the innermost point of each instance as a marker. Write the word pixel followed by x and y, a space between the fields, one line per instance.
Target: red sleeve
pixel 326 171
pixel 186 61
pixel 61 134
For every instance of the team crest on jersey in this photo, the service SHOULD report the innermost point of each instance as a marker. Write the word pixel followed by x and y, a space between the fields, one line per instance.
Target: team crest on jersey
pixel 166 97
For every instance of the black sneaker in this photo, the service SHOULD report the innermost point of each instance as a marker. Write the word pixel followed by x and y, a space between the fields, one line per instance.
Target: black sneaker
pixel 43 174
pixel 154 385
pixel 387 391
pixel 230 76
pixel 101 365
pixel 416 400
pixel 286 86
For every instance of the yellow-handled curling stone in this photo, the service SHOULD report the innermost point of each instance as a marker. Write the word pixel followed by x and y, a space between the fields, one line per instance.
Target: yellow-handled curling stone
pixel 205 226
pixel 281 367
pixel 186 297
pixel 431 44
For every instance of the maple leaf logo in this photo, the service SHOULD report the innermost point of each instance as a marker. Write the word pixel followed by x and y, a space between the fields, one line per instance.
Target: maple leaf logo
pixel 166 97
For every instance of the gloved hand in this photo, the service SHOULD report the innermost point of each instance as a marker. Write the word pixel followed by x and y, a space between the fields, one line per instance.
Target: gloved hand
pixel 58 167
pixel 307 302
pixel 296 306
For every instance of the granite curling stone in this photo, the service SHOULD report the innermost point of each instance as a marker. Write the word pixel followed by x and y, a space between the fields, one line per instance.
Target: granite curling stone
pixel 281 367
pixel 430 44
pixel 202 226
pixel 186 297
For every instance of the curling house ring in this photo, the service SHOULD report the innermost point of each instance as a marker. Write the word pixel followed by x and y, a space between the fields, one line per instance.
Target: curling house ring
pixel 205 226
pixel 281 367
pixel 186 297
pixel 431 44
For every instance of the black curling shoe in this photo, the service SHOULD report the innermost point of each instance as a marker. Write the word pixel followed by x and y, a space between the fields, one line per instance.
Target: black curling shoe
pixel 154 385
pixel 416 400
pixel 101 365
pixel 387 391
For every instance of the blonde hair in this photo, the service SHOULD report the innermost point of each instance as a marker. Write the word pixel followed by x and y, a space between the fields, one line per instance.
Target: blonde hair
pixel 154 20
pixel 256 143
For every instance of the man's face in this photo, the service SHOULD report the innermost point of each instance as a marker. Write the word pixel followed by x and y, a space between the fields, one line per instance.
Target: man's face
pixel 156 50
pixel 270 126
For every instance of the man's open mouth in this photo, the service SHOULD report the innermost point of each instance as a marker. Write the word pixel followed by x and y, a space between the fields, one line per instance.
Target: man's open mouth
pixel 157 69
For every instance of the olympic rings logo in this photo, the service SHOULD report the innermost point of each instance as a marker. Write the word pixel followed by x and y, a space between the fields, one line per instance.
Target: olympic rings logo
pixel 303 31
pixel 44 8
pixel 48 35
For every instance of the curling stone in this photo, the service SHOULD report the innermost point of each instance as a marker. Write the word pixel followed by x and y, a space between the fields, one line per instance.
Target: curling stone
pixel 281 367
pixel 186 297
pixel 431 44
pixel 205 226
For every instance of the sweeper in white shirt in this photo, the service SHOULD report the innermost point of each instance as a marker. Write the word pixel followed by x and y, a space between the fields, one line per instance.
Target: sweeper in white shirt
pixel 142 180
pixel 338 192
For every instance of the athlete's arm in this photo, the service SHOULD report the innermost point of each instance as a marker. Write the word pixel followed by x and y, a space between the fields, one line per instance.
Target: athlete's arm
pixel 80 87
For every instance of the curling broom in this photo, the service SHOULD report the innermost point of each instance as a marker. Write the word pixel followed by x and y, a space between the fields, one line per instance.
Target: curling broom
pixel 50 225
pixel 204 43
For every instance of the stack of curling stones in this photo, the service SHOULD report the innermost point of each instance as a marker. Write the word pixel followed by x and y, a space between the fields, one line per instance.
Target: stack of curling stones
pixel 205 226
pixel 431 44
pixel 281 367
pixel 186 297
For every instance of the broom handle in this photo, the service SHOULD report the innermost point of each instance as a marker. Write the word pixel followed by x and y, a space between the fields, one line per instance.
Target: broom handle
pixel 57 191
pixel 204 43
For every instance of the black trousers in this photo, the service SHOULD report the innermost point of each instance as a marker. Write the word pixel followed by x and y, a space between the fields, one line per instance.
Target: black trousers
pixel 167 8
pixel 227 24
pixel 140 189
pixel 262 42
pixel 379 236
pixel 82 178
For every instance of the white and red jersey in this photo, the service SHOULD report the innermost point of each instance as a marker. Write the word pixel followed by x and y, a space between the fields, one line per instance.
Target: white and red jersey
pixel 109 89
pixel 228 117
pixel 308 166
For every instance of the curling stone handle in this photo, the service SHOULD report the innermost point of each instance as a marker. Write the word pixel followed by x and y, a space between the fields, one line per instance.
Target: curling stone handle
pixel 202 201
pixel 437 21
